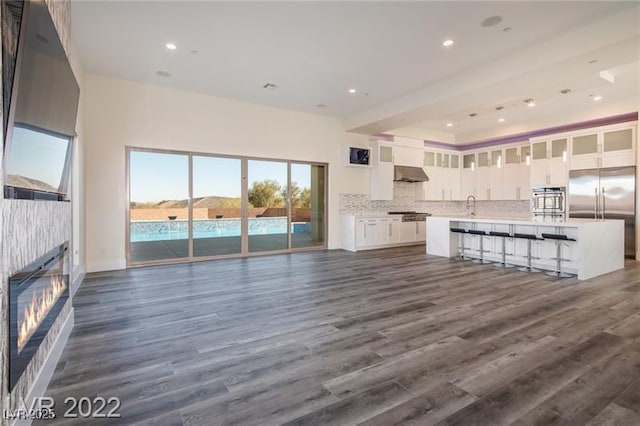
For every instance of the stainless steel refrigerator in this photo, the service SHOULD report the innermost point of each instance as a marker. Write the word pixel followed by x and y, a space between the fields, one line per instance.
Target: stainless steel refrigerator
pixel 606 194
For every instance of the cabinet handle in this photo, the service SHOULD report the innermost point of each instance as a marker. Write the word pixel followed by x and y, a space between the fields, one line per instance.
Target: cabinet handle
pixel 488 193
pixel 390 232
pixel 517 193
pixel 365 231
pixel 443 195
pixel 416 228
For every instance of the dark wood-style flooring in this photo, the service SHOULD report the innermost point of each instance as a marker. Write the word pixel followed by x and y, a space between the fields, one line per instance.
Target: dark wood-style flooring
pixel 385 337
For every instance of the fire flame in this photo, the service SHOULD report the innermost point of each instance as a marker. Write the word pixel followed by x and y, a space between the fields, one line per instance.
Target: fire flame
pixel 37 310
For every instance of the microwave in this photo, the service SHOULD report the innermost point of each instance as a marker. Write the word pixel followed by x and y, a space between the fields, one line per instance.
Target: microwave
pixel 548 200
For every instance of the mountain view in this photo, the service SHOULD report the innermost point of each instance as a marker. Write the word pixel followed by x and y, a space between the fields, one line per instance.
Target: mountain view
pixel 25 182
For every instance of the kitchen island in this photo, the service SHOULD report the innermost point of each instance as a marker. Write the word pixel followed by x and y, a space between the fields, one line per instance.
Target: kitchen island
pixel 598 247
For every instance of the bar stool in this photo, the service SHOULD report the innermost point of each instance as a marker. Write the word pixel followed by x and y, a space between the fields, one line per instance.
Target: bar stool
pixel 480 234
pixel 559 239
pixel 504 236
pixel 460 232
pixel 530 238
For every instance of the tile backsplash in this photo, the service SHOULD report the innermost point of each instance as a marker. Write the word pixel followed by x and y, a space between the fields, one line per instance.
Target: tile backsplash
pixel 404 199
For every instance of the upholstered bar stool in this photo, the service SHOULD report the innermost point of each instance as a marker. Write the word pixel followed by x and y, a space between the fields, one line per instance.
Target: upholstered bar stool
pixel 530 239
pixel 461 232
pixel 504 236
pixel 559 239
pixel 481 234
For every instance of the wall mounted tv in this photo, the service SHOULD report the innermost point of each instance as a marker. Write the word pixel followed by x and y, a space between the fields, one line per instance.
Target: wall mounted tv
pixel 42 112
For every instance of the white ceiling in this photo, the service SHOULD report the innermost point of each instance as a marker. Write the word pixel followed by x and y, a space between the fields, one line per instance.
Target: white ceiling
pixel 391 52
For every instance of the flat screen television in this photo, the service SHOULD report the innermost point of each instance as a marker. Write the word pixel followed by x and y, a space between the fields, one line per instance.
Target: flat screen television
pixel 358 156
pixel 42 112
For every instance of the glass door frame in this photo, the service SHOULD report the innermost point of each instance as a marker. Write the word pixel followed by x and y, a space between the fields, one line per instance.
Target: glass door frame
pixel 244 209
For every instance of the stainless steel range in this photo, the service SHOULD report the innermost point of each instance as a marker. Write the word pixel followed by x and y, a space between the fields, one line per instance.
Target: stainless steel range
pixel 411 216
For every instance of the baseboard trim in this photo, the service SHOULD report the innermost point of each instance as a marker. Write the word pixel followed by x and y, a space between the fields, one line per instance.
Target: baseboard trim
pixel 49 366
pixel 106 265
pixel 79 273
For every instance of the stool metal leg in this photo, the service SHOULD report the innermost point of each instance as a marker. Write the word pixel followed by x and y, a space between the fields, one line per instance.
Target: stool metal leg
pixel 504 264
pixel 558 272
pixel 481 260
pixel 528 268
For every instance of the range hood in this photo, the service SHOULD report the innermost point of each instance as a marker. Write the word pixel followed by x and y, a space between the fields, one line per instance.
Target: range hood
pixel 409 174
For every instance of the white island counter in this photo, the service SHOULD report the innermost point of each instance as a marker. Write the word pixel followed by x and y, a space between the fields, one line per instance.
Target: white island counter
pixel 598 249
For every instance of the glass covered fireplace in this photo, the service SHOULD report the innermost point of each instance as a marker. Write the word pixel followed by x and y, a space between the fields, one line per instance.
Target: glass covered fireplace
pixel 37 294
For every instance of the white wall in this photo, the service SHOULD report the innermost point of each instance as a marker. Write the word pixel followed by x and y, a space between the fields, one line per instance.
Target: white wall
pixel 77 177
pixel 120 113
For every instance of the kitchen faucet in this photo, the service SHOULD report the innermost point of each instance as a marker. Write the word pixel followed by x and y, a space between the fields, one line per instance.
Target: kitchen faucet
pixel 472 213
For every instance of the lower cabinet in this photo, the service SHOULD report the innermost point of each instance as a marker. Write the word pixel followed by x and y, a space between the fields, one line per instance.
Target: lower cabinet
pixel 370 233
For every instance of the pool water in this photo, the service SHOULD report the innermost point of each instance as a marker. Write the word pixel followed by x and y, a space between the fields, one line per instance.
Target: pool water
pixel 213 228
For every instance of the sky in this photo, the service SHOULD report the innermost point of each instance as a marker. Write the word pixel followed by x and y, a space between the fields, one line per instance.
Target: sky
pixel 159 176
pixel 37 155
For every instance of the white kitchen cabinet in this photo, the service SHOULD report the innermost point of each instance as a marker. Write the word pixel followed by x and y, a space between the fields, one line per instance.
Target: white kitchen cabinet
pixel 405 156
pixel 443 169
pixel 468 176
pixel 454 177
pixel 387 231
pixel 365 233
pixel 483 191
pixel 496 176
pixel 613 146
pixel 549 165
pixel 381 171
pixel 516 173
pixel 413 232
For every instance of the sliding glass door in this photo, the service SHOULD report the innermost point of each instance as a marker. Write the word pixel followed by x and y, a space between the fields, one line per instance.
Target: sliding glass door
pixel 217 206
pixel 187 206
pixel 268 212
pixel 307 205
pixel 158 206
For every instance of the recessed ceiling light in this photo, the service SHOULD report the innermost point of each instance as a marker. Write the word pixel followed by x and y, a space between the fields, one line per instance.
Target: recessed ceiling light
pixel 449 124
pixel 351 91
pixel 597 98
pixel 171 46
pixel 530 102
pixel 447 43
pixel 501 120
pixel 163 74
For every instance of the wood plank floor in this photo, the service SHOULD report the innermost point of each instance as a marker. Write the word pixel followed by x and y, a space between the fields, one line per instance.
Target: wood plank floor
pixel 385 337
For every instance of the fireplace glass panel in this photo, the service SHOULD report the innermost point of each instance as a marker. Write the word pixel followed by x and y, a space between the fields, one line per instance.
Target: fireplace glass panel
pixel 37 294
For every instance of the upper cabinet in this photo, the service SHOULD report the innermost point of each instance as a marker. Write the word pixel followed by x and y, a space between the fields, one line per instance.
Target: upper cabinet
pixel 408 152
pixel 405 156
pixel 443 169
pixel 609 147
pixel 381 171
pixel 516 172
pixel 549 162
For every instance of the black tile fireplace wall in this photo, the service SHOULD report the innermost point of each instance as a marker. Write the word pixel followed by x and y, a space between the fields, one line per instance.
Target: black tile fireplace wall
pixel 28 230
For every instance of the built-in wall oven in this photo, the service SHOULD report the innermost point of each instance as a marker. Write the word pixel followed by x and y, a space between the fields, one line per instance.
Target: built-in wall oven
pixel 549 203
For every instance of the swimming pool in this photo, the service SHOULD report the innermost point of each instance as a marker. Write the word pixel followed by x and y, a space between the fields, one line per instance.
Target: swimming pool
pixel 161 230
